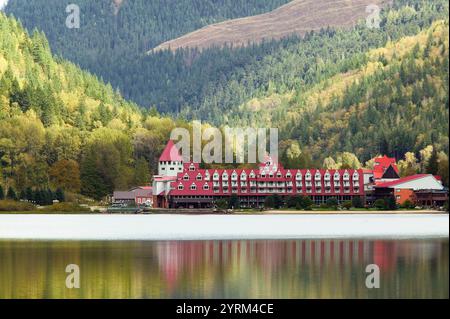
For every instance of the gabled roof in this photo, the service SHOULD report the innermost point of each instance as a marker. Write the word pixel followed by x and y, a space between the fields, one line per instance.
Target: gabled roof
pixel 120 195
pixel 171 153
pixel 382 164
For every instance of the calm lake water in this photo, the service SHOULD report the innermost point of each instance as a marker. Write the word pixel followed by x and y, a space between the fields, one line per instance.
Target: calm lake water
pixel 225 269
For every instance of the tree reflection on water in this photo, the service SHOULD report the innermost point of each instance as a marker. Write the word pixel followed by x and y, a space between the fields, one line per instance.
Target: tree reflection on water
pixel 225 269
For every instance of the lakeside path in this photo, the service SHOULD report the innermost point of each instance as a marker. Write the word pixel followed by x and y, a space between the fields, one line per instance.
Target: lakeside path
pixel 222 227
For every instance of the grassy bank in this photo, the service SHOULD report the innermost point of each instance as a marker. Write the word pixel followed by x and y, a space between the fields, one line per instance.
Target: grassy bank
pixel 16 207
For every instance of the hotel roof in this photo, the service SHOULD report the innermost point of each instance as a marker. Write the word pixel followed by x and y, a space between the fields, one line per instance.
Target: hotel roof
pixel 402 180
pixel 171 153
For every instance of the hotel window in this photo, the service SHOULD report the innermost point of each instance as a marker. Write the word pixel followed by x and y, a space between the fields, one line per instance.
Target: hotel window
pixel 288 175
pixel 199 177
pixel 180 187
pixel 279 175
pixel 206 187
pixel 192 168
pixel 193 187
pixel 186 177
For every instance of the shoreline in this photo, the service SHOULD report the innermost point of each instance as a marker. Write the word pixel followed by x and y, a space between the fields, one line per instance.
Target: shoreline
pixel 222 227
pixel 236 213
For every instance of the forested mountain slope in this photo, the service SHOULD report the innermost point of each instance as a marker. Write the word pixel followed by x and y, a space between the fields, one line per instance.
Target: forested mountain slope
pixel 211 85
pixel 62 127
pixel 396 102
pixel 294 18
pixel 114 36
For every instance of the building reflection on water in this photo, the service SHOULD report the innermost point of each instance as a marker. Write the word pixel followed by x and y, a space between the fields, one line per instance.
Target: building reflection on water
pixel 225 269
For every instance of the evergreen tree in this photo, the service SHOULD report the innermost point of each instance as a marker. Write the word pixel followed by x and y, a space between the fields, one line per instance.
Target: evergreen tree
pixel 29 194
pixel 234 202
pixel 49 197
pixel 23 195
pixel 307 202
pixel 11 194
pixel 269 202
pixel 292 201
pixel 357 202
pixel 277 201
pixel 59 195
pixel 433 164
pixel 142 173
pixel 332 203
pixel 391 203
pixel 37 197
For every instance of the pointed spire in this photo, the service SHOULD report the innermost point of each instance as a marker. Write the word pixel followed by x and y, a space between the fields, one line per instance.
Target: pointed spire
pixel 171 153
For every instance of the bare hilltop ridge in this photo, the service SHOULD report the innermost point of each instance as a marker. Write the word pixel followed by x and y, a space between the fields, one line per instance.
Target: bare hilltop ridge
pixel 296 17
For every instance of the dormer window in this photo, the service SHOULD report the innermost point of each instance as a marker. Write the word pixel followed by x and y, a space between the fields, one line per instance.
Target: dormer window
pixel 224 175
pixel 252 174
pixel 186 177
pixel 193 187
pixel 308 176
pixel 216 176
pixel 279 175
pixel 192 167
pixel 199 177
pixel 336 176
pixel 207 177
pixel 206 187
pixel 234 176
pixel 288 175
pixel 243 176
pixel 180 187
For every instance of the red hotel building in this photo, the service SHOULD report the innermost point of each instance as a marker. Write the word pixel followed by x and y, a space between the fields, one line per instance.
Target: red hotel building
pixel 185 185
